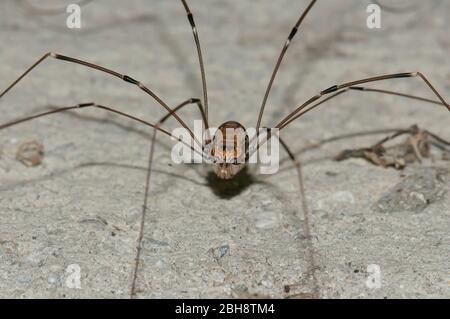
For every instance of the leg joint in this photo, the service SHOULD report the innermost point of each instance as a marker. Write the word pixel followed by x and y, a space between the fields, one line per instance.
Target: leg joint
pixel 292 34
pixel 357 88
pixel 190 17
pixel 129 79
pixel 404 75
pixel 81 105
pixel 331 89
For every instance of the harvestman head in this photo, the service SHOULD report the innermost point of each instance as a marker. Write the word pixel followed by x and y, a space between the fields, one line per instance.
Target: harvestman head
pixel 229 149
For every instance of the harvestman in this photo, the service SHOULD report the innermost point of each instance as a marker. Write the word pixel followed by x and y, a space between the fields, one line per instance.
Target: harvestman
pixel 230 148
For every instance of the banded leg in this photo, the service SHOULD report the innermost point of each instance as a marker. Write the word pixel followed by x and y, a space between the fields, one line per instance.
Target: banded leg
pixel 198 102
pixel 125 78
pixel 280 59
pixel 106 108
pixel 364 89
pixel 156 129
pixel 338 90
pixel 190 17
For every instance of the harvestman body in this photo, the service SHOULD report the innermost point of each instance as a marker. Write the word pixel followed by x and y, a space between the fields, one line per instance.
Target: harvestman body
pixel 227 150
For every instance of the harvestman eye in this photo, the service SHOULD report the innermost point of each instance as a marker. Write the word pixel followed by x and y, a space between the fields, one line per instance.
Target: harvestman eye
pixel 227 169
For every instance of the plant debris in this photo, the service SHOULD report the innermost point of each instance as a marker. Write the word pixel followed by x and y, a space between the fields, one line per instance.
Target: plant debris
pixel 30 153
pixel 414 148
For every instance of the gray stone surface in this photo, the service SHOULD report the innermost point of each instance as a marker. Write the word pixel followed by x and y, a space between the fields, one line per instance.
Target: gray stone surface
pixel 82 205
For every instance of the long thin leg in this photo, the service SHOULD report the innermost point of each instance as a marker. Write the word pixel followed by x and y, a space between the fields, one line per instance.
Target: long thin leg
pixel 280 59
pixel 198 102
pixel 190 17
pixel 306 221
pixel 360 89
pixel 365 89
pixel 337 88
pixel 126 78
pixel 106 108
pixel 147 188
pixel 147 185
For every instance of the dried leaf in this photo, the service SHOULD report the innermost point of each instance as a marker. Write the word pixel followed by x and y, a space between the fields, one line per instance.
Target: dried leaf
pixel 30 153
pixel 412 149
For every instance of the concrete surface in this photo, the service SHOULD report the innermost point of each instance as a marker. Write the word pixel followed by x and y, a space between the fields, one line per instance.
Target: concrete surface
pixel 82 206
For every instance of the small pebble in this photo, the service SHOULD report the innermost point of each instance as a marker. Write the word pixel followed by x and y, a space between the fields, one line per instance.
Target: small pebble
pixel 221 251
